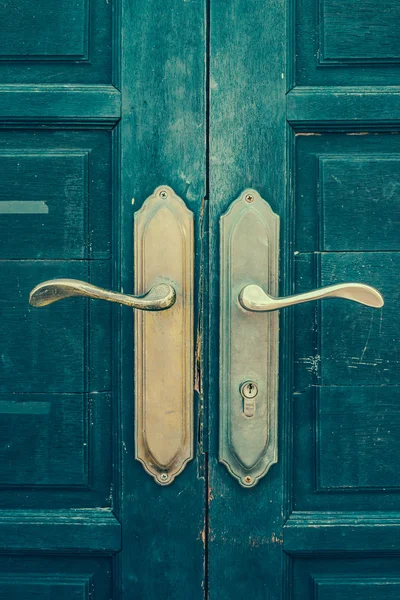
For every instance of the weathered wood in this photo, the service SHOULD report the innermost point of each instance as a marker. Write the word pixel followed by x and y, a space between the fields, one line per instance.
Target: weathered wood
pixel 247 149
pixel 59 531
pixel 162 136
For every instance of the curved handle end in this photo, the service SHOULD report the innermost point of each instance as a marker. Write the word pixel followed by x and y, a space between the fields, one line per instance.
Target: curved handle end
pixel 254 299
pixel 159 297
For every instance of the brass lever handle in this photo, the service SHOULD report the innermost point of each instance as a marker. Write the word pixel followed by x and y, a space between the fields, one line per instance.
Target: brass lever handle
pixel 159 297
pixel 254 299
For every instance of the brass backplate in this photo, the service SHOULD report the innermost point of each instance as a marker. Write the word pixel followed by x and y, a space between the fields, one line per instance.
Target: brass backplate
pixel 164 340
pixel 249 341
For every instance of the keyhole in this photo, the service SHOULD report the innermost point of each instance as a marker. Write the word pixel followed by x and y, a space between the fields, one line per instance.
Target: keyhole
pixel 249 391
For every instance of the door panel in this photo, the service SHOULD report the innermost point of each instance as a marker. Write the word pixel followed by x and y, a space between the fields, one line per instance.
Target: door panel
pixel 247 150
pixel 68 43
pixel 338 201
pixel 345 156
pixel 162 136
pixel 101 103
pixel 57 526
pixel 352 43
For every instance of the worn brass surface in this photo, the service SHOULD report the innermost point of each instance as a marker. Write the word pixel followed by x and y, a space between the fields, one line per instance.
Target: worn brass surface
pixel 159 297
pixel 248 342
pixel 253 297
pixel 164 341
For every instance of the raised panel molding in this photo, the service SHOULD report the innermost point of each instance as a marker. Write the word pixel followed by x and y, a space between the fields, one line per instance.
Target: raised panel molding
pixel 94 106
pixel 357 439
pixel 356 588
pixel 349 109
pixel 34 585
pixel 342 533
pixel 59 531
pixel 45 32
pixel 358 33
pixel 359 200
pixel 53 184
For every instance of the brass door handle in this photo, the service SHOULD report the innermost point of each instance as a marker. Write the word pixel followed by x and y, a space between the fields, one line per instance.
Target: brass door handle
pixel 159 297
pixel 254 299
pixel 249 334
pixel 163 339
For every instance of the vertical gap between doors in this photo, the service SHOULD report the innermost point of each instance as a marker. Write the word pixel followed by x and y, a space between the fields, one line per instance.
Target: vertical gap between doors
pixel 206 292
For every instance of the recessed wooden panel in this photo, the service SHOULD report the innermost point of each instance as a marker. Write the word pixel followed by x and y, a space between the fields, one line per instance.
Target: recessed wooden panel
pixel 362 588
pixel 44 204
pixel 55 449
pixel 349 578
pixel 46 350
pixel 346 42
pixel 53 441
pixel 43 440
pixel 345 446
pixel 64 42
pixel 35 587
pixel 55 197
pixel 362 350
pixel 359 198
pixel 357 436
pixel 45 30
pixel 65 578
pixel 361 32
pixel 347 191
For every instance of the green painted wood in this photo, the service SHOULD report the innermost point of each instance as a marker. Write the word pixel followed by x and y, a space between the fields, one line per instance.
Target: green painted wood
pixel 328 533
pixel 371 578
pixel 102 102
pixel 60 531
pixel 162 136
pixel 351 44
pixel 351 108
pixel 247 149
pixel 71 42
pixel 64 576
pixel 90 105
pixel 338 416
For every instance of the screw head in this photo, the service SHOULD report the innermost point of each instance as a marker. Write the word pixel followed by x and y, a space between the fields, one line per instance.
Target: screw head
pixel 163 194
pixel 164 476
pixel 249 198
pixel 248 480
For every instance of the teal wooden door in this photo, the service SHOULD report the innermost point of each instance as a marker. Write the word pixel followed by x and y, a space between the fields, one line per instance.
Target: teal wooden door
pixel 304 108
pixel 100 103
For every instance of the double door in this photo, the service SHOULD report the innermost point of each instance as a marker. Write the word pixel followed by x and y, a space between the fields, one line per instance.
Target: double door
pixel 267 111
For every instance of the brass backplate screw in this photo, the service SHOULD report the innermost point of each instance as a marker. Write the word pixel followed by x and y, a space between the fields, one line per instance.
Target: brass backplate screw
pixel 163 194
pixel 164 476
pixel 249 198
pixel 248 479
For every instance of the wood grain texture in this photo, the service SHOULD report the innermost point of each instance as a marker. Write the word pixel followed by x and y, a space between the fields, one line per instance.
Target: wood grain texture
pixel 90 105
pixel 247 149
pixel 346 108
pixel 361 33
pixel 344 577
pixel 351 43
pixel 357 439
pixel 68 576
pixel 162 135
pixel 70 42
pixel 64 531
pixel 308 533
